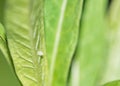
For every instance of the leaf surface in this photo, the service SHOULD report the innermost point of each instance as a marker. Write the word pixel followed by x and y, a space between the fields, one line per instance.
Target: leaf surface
pixel 3 45
pixel 112 71
pixel 91 50
pixel 2 5
pixel 113 83
pixel 61 26
pixel 2 32
pixel 25 34
pixel 6 74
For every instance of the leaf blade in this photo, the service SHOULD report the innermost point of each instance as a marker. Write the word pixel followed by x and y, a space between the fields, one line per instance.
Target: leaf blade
pixel 61 33
pixel 21 23
pixel 112 68
pixel 91 49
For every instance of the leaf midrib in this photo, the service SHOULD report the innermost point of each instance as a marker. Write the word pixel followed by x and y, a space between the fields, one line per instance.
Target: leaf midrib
pixel 57 39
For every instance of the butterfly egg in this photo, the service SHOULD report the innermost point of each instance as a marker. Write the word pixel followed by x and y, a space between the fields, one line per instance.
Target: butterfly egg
pixel 40 53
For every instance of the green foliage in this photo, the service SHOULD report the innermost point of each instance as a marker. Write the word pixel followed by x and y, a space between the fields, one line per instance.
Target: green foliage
pixel 59 43
pixel 7 76
pixel 7 72
pixel 91 50
pixel 2 5
pixel 112 71
pixel 113 83
pixel 61 37
pixel 2 32
pixel 25 35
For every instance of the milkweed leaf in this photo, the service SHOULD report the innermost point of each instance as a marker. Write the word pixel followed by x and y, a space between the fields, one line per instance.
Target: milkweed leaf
pixel 113 83
pixel 2 32
pixel 61 26
pixel 92 45
pixel 6 74
pixel 25 35
pixel 112 71
pixel 3 45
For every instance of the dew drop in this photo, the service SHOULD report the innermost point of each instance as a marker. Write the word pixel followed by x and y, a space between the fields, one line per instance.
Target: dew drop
pixel 40 53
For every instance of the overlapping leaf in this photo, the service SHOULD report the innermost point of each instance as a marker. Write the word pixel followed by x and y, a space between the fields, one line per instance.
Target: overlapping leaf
pixel 25 34
pixel 113 62
pixel 3 44
pixel 62 27
pixel 113 83
pixel 90 54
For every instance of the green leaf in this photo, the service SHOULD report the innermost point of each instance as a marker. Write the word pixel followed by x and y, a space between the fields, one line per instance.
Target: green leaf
pixel 112 71
pixel 7 76
pixel 2 32
pixel 90 54
pixel 3 45
pixel 2 5
pixel 7 73
pixel 113 83
pixel 25 34
pixel 61 26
